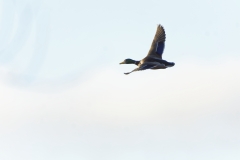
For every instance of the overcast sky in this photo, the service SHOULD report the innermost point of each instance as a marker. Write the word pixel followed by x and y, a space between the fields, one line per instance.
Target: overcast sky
pixel 63 94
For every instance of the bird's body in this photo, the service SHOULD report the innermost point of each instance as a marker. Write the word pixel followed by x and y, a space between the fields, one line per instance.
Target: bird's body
pixel 154 58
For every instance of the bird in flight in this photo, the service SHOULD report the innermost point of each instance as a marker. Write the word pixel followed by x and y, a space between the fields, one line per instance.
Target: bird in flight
pixel 153 60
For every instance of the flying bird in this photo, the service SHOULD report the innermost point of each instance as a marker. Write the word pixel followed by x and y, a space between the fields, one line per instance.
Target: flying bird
pixel 153 60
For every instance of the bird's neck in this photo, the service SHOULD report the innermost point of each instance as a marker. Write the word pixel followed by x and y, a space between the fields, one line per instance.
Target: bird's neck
pixel 136 62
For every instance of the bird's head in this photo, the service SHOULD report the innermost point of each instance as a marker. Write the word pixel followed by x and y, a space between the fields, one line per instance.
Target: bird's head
pixel 128 61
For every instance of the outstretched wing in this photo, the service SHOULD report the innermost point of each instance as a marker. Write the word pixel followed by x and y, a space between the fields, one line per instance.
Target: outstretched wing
pixel 158 42
pixel 143 67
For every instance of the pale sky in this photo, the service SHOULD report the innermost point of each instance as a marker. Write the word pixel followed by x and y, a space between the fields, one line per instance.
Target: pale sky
pixel 63 94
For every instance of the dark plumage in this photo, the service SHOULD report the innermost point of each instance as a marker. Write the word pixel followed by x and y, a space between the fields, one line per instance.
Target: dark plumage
pixel 153 60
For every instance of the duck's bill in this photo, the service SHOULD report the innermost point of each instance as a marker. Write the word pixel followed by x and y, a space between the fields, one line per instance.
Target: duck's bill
pixel 122 63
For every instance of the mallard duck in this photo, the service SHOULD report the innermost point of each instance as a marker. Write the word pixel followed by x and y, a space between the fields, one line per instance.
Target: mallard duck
pixel 153 60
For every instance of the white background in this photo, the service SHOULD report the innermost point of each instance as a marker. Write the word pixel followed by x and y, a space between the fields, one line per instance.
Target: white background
pixel 63 94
